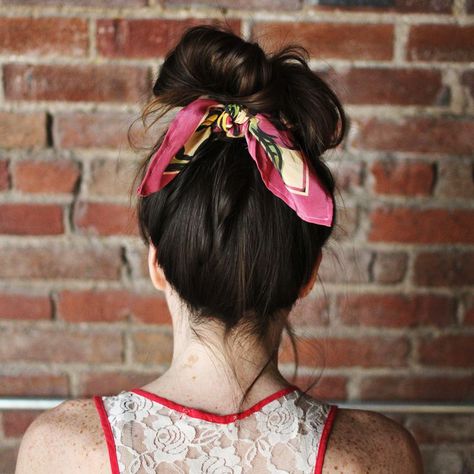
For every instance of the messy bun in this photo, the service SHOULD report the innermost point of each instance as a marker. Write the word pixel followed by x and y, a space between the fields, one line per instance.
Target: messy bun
pixel 226 244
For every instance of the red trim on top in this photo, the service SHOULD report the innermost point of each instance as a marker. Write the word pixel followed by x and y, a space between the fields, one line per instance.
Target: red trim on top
pixel 324 439
pixel 109 437
pixel 207 416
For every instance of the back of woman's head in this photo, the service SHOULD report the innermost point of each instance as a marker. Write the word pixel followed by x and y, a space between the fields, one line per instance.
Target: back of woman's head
pixel 228 246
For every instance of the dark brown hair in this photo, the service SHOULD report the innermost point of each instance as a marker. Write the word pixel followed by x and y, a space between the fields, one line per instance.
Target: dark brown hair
pixel 226 244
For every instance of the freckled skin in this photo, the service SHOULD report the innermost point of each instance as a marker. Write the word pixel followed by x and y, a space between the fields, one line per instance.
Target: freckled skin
pixel 69 438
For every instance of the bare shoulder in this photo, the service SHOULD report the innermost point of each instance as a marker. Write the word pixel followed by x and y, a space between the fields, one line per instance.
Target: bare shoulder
pixel 67 438
pixel 364 441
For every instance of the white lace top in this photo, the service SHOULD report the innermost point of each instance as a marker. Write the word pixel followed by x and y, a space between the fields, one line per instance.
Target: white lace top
pixel 146 433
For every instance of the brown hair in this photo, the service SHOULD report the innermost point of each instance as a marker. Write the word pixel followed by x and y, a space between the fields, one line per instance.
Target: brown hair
pixel 226 244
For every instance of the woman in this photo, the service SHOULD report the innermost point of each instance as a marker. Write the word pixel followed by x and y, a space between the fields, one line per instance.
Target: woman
pixel 235 205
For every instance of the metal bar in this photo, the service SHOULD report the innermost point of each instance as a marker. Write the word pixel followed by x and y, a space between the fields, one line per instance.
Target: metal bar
pixel 29 403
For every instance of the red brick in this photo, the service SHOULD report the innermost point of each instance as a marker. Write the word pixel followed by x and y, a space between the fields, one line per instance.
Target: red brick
pixel 408 177
pixel 4 175
pixel 396 310
pixel 93 83
pixel 31 219
pixel 440 43
pixel 386 86
pixel 92 129
pixel 104 219
pixel 397 6
pixel 447 350
pixel 351 266
pixel 332 387
pixel 39 384
pixel 61 260
pixel 112 305
pixel 112 177
pixel 25 306
pixel 310 312
pixel 144 38
pixel 456 178
pixel 408 225
pixel 44 36
pixel 414 134
pixel 417 387
pixel 15 422
pixel 60 345
pixel 389 267
pixel 329 40
pixel 363 351
pixel 152 347
pixel 46 176
pixel 442 428
pixel 22 130
pixel 74 3
pixel 450 268
pixel 111 383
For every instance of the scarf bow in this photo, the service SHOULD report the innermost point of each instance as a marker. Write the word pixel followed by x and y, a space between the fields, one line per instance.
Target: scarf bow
pixel 284 169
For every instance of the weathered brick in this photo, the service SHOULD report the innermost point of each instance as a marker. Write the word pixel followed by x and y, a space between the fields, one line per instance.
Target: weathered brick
pixel 92 3
pixel 44 36
pixel 351 266
pixel 60 345
pixel 111 383
pixel 396 310
pixel 408 177
pixel 15 422
pixel 410 225
pixel 152 347
pixel 365 351
pixel 442 428
pixel 240 4
pixel 137 259
pixel 470 6
pixel 112 305
pixel 414 134
pixel 347 222
pixel 310 312
pixel 112 177
pixel 397 6
pixel 467 81
pixel 4 175
pixel 22 130
pixel 417 387
pixel 348 174
pixel 104 219
pixel 143 38
pixel 31 219
pixel 332 387
pixel 329 40
pixel 365 85
pixel 440 43
pixel 447 350
pixel 92 130
pixel 38 383
pixel 8 457
pixel 22 305
pixel 46 176
pixel 389 267
pixel 93 83
pixel 469 310
pixel 456 178
pixel 444 268
pixel 61 260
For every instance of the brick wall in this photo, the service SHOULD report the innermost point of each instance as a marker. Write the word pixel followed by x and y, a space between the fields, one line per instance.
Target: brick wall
pixel 78 315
